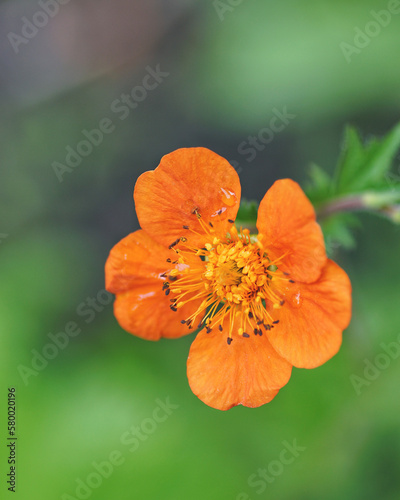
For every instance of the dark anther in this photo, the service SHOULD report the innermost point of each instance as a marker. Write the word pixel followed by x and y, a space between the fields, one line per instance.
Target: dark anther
pixel 163 275
pixel 229 340
pixel 231 221
pixel 259 322
pixel 220 328
pixel 260 332
pixel 183 321
pixel 286 274
pixel 255 331
pixel 291 281
pixel 174 243
pixel 185 227
pixel 246 335
pixel 211 224
pixel 276 322
pixel 267 327
pixel 172 278
pixel 165 285
pixel 196 212
pixel 251 315
pixel 208 329
pixel 219 212
pixel 281 302
pixel 167 291
pixel 173 308
pixel 168 260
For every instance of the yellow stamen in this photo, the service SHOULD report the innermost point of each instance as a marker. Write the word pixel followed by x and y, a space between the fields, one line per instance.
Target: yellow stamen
pixel 235 280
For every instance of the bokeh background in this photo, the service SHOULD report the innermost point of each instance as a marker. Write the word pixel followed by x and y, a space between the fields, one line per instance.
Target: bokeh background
pixel 230 65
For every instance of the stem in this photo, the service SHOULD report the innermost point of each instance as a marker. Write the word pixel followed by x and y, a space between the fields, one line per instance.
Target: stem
pixel 386 204
pixel 345 204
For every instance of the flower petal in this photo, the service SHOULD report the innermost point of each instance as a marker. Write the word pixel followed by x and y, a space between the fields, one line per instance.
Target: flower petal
pixel 312 320
pixel 133 272
pixel 286 219
pixel 247 372
pixel 144 311
pixel 135 258
pixel 187 180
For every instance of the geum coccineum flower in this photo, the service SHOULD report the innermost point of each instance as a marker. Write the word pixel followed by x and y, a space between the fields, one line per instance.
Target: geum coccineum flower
pixel 263 303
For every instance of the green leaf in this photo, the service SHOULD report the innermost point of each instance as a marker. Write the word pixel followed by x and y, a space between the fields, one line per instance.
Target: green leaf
pixel 338 232
pixel 363 167
pixel 247 214
pixel 320 187
pixel 363 181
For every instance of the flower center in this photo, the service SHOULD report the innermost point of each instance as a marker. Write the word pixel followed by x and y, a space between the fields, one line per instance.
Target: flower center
pixel 236 279
pixel 228 274
pixel 236 271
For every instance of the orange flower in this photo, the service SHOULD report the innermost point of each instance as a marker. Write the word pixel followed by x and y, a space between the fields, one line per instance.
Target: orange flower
pixel 263 303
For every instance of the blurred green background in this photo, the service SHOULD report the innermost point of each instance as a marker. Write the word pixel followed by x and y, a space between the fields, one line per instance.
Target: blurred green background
pixel 230 66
